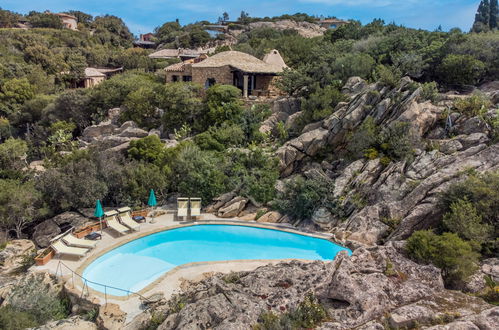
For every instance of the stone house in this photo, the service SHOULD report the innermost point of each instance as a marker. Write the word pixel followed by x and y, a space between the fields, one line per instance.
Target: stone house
pixel 253 76
pixel 94 76
pixel 69 21
pixel 331 23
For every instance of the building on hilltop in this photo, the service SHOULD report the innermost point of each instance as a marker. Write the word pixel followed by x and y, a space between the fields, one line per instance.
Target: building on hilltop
pixel 69 21
pixel 253 76
pixel 94 76
pixel 331 23
pixel 145 41
pixel 181 53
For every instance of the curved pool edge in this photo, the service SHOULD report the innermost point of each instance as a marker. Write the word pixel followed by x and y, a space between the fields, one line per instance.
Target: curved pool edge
pixel 149 287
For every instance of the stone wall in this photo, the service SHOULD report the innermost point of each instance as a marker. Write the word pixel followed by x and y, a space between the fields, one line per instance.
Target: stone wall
pixel 180 74
pixel 221 75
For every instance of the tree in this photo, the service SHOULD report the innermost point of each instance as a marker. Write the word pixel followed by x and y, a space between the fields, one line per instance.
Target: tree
pixel 244 17
pixel 182 106
pixel 486 17
pixel 140 106
pixel 494 14
pixel 12 158
pixel 454 256
pixel 13 93
pixel 464 220
pixel 81 17
pixel 45 20
pixel 148 149
pixel 461 70
pixel 73 185
pixel 8 19
pixel 199 173
pixel 18 205
pixel 223 102
pixel 302 197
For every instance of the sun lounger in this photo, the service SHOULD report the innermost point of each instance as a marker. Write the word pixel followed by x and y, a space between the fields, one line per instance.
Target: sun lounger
pixel 79 242
pixel 61 248
pixel 182 207
pixel 112 222
pixel 195 207
pixel 126 219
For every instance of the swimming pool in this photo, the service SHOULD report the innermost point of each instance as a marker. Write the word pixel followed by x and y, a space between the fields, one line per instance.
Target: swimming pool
pixel 137 264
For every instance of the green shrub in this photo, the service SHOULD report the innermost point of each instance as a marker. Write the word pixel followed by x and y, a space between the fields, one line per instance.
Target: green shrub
pixel 301 197
pixel 461 70
pixel 308 315
pixel 321 104
pixel 454 256
pixel 12 319
pixel 32 297
pixel 472 106
pixel 464 220
pixel 471 208
pixel 388 76
pixel 429 91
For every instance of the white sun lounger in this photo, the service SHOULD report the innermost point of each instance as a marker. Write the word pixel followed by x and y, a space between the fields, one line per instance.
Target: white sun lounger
pixel 126 219
pixel 195 207
pixel 79 242
pixel 112 222
pixel 182 207
pixel 61 248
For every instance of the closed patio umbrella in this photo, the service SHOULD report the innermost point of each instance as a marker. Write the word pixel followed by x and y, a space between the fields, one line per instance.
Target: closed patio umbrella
pixel 99 212
pixel 152 201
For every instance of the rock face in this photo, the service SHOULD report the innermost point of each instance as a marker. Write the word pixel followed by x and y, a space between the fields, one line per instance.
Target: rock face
pixel 108 134
pixel 375 285
pixel 50 228
pixel 402 193
pixel 11 257
pixel 305 29
pixel 111 317
pixel 73 323
pixel 283 111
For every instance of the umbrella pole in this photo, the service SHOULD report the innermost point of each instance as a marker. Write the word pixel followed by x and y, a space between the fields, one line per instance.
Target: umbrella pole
pixel 100 222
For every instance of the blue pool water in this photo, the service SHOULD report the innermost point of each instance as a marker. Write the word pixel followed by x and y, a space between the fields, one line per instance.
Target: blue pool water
pixel 135 265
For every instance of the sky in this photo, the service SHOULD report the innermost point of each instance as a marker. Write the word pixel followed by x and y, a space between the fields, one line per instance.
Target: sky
pixel 143 16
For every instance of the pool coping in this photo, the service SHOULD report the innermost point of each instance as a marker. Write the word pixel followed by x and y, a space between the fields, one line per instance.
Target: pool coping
pixel 176 269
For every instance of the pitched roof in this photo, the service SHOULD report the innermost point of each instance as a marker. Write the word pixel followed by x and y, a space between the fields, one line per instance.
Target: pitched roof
pixel 65 15
pixel 240 61
pixel 177 67
pixel 274 58
pixel 169 53
pixel 93 72
pixel 165 53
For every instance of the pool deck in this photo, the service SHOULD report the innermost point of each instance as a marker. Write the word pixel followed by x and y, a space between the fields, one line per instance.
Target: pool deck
pixel 169 283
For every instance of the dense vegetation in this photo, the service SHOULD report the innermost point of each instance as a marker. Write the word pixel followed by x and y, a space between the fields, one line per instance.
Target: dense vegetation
pixel 469 229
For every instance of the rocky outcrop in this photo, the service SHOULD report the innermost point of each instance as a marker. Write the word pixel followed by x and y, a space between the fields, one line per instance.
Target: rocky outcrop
pixel 232 208
pixel 305 29
pixel 367 100
pixel 12 256
pixel 477 282
pixel 50 228
pixel 381 201
pixel 282 111
pixel 72 323
pixel 111 317
pixel 373 286
pixel 111 136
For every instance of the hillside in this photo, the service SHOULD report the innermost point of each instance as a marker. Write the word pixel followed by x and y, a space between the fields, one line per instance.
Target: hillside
pixel 384 137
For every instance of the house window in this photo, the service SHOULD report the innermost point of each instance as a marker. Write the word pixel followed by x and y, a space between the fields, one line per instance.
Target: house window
pixel 210 82
pixel 187 78
pixel 175 78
